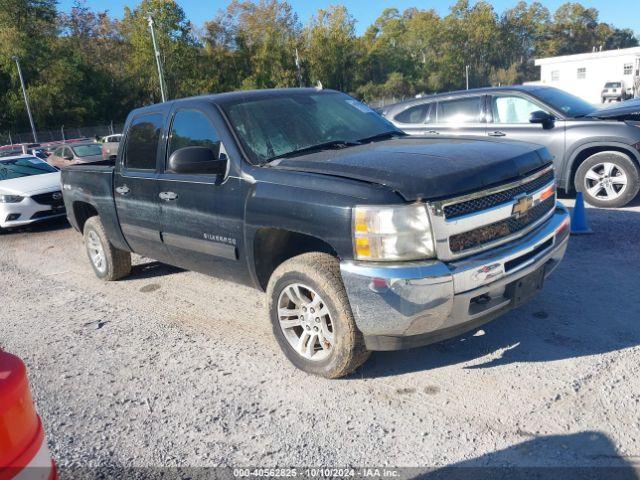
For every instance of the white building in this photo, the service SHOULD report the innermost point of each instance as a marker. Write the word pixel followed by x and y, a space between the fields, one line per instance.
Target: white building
pixel 585 74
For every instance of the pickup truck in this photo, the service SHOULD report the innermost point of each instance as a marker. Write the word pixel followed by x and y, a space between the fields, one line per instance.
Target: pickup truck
pixel 363 238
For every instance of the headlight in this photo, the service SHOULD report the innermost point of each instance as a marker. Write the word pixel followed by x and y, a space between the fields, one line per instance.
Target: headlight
pixel 387 233
pixel 10 198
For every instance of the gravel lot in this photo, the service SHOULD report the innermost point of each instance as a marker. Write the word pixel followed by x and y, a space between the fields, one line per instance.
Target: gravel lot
pixel 173 368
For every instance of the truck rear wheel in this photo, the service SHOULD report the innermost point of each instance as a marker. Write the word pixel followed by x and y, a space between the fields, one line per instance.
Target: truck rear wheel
pixel 311 316
pixel 109 263
pixel 608 179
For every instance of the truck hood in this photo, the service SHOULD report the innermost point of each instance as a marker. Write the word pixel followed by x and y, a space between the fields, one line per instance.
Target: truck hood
pixel 628 110
pixel 32 184
pixel 426 168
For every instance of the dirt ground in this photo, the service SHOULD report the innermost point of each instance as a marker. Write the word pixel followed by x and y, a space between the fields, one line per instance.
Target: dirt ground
pixel 173 368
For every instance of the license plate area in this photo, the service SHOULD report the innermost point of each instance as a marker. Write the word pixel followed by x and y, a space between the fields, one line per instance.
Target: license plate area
pixel 523 289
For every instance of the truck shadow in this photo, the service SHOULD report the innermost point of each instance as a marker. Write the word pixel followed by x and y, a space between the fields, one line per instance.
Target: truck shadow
pixel 578 456
pixel 588 306
pixel 151 269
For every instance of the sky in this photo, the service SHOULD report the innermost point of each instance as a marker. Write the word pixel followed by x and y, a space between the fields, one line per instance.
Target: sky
pixel 621 13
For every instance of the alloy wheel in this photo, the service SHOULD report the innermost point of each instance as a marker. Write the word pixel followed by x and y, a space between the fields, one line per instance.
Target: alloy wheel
pixel 96 252
pixel 605 181
pixel 306 322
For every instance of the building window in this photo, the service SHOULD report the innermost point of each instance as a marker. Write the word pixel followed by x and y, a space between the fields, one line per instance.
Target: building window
pixel 555 75
pixel 582 73
pixel 628 68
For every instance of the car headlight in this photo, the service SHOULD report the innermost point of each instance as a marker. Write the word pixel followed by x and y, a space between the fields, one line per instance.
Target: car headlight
pixel 388 233
pixel 11 198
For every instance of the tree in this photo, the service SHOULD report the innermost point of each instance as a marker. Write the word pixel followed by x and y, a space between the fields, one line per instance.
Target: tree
pixel 262 39
pixel 176 42
pixel 330 48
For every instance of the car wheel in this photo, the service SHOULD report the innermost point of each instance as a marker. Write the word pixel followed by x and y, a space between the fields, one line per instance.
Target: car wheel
pixel 109 263
pixel 311 316
pixel 608 179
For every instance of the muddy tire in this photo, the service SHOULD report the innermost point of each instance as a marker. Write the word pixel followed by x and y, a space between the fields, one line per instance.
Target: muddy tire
pixel 311 316
pixel 608 179
pixel 109 263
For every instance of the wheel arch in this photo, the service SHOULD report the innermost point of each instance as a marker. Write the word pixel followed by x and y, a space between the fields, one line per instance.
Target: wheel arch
pixel 587 150
pixel 272 246
pixel 83 211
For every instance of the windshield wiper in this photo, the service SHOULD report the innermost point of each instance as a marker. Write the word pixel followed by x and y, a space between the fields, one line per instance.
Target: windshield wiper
pixel 383 136
pixel 316 148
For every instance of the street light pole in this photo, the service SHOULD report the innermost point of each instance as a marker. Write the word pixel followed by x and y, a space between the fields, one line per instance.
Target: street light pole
pixel 26 99
pixel 466 71
pixel 158 61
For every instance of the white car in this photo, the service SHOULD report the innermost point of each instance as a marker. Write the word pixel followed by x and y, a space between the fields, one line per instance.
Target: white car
pixel 29 191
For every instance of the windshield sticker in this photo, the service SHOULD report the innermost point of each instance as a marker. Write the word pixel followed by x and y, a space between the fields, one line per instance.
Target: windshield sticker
pixel 360 106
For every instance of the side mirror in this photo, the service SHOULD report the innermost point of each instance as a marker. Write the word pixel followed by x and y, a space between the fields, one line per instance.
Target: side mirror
pixel 68 157
pixel 546 119
pixel 197 160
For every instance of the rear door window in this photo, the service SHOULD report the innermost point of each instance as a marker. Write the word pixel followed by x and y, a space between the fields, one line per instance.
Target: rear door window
pixel 416 114
pixel 142 142
pixel 461 110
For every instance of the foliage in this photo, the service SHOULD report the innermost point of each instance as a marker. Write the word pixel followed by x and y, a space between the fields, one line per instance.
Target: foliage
pixel 84 66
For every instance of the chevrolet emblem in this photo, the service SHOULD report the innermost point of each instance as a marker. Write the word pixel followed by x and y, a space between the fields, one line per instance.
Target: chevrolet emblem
pixel 522 206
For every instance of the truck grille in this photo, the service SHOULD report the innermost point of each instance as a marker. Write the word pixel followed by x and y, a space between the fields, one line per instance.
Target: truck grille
pixel 498 230
pixel 472 223
pixel 48 199
pixel 483 203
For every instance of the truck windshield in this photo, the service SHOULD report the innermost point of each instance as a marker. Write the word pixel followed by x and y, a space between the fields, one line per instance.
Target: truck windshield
pixel 567 103
pixel 23 167
pixel 282 125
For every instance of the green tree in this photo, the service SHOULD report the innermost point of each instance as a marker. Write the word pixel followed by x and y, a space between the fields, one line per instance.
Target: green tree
pixel 176 42
pixel 330 48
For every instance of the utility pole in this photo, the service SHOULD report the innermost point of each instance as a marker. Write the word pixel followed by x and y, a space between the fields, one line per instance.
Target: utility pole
pixel 298 68
pixel 158 61
pixel 466 71
pixel 26 99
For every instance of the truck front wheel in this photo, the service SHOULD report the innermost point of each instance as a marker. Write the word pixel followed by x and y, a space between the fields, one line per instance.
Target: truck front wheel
pixel 109 263
pixel 311 316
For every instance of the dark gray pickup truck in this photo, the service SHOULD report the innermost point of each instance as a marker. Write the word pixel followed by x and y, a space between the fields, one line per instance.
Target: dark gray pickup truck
pixel 363 238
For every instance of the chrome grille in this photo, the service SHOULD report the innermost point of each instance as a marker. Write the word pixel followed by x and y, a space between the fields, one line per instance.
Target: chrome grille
pixel 498 230
pixel 475 222
pixel 483 203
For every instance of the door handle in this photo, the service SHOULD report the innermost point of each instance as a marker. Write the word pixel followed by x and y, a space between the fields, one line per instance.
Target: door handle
pixel 497 133
pixel 123 190
pixel 168 196
pixel 430 132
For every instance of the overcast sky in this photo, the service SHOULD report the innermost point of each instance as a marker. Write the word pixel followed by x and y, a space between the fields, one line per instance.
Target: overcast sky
pixel 621 13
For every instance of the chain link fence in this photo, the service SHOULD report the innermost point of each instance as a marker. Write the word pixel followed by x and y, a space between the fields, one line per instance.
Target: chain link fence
pixel 61 134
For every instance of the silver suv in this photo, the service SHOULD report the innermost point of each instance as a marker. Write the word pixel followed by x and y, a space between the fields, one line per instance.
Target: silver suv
pixel 594 150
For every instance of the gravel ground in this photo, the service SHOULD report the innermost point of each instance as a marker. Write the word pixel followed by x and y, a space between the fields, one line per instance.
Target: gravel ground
pixel 173 368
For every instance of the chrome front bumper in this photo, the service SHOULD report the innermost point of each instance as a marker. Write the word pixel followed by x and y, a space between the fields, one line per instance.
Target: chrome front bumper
pixel 410 304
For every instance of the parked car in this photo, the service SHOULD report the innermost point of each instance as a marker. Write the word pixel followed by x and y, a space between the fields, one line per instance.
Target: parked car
pixel 364 238
pixel 594 150
pixel 110 146
pixel 29 191
pixel 615 92
pixel 24 454
pixel 72 154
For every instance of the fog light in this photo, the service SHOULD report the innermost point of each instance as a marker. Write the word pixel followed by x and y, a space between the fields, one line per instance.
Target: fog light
pixel 12 216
